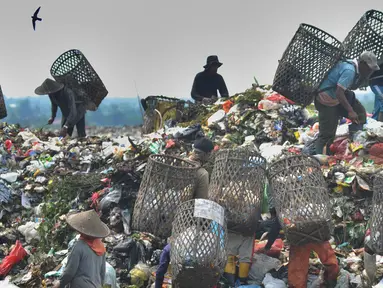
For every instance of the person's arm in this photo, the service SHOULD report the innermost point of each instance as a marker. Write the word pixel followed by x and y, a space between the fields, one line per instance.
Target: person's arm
pixel 194 92
pixel 345 81
pixel 273 234
pixel 222 88
pixel 72 266
pixel 54 108
pixel 71 98
pixel 163 267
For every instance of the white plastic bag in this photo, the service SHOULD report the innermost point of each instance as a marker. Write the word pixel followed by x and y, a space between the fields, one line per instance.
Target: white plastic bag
pixel 5 284
pixel 270 282
pixel 262 264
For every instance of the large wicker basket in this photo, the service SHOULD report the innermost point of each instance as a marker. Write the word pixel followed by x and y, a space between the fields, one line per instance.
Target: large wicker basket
pixel 75 71
pixel 376 223
pixel 3 107
pixel 237 184
pixel 168 181
pixel 304 64
pixel 301 199
pixel 367 35
pixel 198 244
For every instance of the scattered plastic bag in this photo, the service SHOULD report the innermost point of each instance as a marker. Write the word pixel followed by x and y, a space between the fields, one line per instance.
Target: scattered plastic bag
pixel 113 196
pixel 110 276
pixel 29 231
pixel 17 254
pixel 261 265
pixel 7 284
pixel 139 275
pixel 270 282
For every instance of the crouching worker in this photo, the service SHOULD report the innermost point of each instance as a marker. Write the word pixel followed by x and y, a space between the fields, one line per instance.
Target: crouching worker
pixel 163 267
pixel 299 260
pixel 86 266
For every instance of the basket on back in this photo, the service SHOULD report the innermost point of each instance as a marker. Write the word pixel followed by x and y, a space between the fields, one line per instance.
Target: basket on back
pixel 367 35
pixel 237 183
pixel 3 108
pixel 198 244
pixel 168 181
pixel 301 199
pixel 376 223
pixel 304 64
pixel 73 69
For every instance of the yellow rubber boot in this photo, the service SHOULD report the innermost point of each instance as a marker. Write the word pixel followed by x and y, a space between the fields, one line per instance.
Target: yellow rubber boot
pixel 243 272
pixel 230 270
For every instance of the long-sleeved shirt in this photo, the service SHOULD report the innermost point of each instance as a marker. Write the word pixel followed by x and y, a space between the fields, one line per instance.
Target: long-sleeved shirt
pixel 71 110
pixel 84 269
pixel 206 85
pixel 163 267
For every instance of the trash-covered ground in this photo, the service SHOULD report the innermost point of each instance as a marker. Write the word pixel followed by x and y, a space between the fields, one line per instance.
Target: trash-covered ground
pixel 43 177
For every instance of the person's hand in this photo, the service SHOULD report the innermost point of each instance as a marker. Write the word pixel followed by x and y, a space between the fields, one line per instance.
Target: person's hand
pixel 353 117
pixel 63 132
pixel 50 121
pixel 56 284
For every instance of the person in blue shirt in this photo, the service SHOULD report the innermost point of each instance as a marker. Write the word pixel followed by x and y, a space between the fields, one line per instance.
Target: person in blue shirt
pixel 376 85
pixel 163 267
pixel 335 98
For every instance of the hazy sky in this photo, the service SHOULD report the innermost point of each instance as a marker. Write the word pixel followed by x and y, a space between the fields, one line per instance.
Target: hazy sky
pixel 161 44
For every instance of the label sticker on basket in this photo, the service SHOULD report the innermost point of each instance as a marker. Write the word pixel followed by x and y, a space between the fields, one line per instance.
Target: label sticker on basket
pixel 210 210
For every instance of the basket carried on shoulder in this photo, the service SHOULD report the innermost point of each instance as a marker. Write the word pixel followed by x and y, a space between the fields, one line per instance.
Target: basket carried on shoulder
pixel 237 184
pixel 3 107
pixel 198 244
pixel 367 35
pixel 168 181
pixel 74 70
pixel 301 199
pixel 167 110
pixel 305 63
pixel 376 223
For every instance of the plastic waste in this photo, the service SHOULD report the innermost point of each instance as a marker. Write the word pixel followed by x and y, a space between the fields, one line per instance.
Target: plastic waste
pixel 139 275
pixel 270 282
pixel 17 254
pixel 110 276
pixel 6 284
pixel 10 177
pixel 261 265
pixel 113 196
pixel 29 231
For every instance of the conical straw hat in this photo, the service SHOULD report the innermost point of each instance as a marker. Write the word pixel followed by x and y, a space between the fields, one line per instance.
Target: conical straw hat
pixel 89 224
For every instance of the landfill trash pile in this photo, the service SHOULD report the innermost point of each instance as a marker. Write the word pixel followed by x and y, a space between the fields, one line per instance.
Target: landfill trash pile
pixel 43 177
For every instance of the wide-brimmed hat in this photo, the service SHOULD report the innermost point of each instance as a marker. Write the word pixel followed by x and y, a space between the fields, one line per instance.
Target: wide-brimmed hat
pixel 49 86
pixel 89 224
pixel 213 59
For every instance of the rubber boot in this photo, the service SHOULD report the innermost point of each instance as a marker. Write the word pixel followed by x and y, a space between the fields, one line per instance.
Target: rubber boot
pixel 243 273
pixel 230 270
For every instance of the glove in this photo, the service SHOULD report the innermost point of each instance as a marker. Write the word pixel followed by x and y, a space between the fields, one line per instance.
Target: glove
pixel 64 131
pixel 51 120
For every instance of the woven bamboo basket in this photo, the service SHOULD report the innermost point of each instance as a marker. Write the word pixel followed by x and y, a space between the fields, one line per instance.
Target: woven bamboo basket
pixel 377 215
pixel 304 64
pixel 367 35
pixel 74 70
pixel 301 200
pixel 237 184
pixel 3 108
pixel 198 244
pixel 168 181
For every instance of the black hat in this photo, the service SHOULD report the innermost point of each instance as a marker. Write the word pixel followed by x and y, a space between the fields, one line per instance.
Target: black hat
pixel 49 86
pixel 204 144
pixel 213 59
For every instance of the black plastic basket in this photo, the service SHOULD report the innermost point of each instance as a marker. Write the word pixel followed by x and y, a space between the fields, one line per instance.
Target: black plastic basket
pixel 304 64
pixel 75 71
pixel 367 35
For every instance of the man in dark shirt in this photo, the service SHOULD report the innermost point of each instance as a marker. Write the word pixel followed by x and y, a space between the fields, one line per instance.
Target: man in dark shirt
pixel 208 82
pixel 73 112
pixel 376 85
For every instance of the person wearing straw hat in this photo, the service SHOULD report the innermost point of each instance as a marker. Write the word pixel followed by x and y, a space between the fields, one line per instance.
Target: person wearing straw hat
pixel 376 85
pixel 208 82
pixel 86 266
pixel 335 98
pixel 73 112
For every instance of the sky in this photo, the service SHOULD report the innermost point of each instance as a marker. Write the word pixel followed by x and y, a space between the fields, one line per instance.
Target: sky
pixel 161 45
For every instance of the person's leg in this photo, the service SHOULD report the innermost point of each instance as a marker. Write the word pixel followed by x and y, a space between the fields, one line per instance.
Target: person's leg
pixel 327 257
pixel 232 251
pixel 244 258
pixel 298 266
pixel 378 105
pixel 80 126
pixel 328 123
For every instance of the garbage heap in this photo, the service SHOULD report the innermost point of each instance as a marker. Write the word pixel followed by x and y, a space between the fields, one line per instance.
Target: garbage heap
pixel 44 177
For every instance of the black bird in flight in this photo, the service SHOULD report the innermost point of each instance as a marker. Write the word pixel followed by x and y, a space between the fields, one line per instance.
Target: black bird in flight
pixel 35 18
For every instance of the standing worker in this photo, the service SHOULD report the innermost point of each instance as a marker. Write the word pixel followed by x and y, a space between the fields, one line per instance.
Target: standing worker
pixel 335 100
pixel 202 149
pixel 376 85
pixel 73 112
pixel 208 82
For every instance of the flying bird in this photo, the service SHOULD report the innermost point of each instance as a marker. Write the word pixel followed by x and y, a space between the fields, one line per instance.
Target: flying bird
pixel 36 18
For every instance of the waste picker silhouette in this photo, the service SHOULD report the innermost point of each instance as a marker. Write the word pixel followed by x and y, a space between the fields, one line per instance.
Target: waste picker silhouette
pixel 36 18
